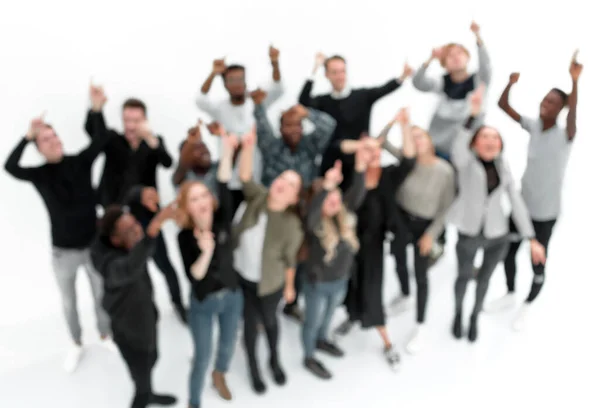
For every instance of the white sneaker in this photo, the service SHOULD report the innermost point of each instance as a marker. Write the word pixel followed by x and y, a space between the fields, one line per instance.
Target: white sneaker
pixel 392 357
pixel 521 319
pixel 415 342
pixel 110 345
pixel 507 301
pixel 401 304
pixel 73 358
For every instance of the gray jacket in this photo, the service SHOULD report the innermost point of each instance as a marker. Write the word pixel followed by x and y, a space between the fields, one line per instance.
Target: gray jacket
pixel 475 208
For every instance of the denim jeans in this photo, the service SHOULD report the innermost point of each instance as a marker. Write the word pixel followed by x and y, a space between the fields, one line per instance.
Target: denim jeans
pixel 226 306
pixel 322 298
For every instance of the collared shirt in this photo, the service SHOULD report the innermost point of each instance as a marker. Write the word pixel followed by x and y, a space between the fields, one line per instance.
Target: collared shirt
pixel 278 157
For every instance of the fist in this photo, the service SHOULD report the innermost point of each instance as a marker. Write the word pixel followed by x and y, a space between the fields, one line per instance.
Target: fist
pixel 144 131
pixel 300 111
pixel 474 27
pixel 407 72
pixel 97 97
pixel 219 66
pixel 149 198
pixel 575 68
pixel 205 240
pixel 437 53
pixel 320 59
pixel 258 96
pixel 216 128
pixel 169 212
pixel 249 139
pixel 514 78
pixel 34 127
pixel 477 100
pixel 334 175
pixel 273 54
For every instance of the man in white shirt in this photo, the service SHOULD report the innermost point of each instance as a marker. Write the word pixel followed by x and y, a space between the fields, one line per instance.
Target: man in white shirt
pixel 236 113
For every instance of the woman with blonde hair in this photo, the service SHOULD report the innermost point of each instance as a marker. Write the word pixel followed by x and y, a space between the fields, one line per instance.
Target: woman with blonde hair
pixel 418 209
pixel 206 246
pixel 331 230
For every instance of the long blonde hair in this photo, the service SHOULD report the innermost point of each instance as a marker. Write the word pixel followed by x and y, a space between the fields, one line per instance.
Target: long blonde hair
pixel 329 234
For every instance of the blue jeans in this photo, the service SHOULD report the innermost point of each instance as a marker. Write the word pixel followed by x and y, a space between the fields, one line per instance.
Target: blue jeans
pixel 322 298
pixel 227 306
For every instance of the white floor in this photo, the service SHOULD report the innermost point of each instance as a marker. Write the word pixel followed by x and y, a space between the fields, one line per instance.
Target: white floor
pixel 555 361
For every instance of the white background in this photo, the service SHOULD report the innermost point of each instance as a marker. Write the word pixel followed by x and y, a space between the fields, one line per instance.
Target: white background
pixel 162 51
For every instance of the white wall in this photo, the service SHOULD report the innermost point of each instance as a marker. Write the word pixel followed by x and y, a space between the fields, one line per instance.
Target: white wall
pixel 162 51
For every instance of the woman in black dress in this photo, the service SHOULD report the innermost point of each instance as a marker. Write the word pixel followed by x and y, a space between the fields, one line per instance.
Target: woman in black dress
pixel 364 301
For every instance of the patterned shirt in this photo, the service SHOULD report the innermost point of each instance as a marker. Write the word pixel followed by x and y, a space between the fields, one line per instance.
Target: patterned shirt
pixel 277 156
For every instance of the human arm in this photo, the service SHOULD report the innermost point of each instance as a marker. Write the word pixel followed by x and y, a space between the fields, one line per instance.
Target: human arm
pixel 446 200
pixel 382 138
pixel 305 99
pixel 425 83
pixel 461 153
pixel 325 125
pixel 250 189
pixel 120 270
pixel 12 166
pixel 224 173
pixel 295 237
pixel 155 143
pixel 265 137
pixel 95 125
pixel 574 70
pixel 485 66
pixel 274 90
pixel 196 250
pixel 379 92
pixel 202 99
pixel 503 101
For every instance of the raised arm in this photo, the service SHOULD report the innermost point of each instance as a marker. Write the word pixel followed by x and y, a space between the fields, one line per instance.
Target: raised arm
pixel 250 188
pixel 461 152
pixel 12 165
pixel 305 98
pixel 224 173
pixel 503 102
pixel 446 199
pixel 390 86
pixel 424 83
pixel 325 125
pixel 265 137
pixel 95 126
pixel 275 89
pixel 202 99
pixel 485 66
pixel 574 70
pixel 382 138
pixel 354 196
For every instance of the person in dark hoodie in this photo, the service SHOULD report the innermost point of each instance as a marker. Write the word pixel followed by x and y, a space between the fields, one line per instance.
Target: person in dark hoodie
pixel 132 158
pixel 120 254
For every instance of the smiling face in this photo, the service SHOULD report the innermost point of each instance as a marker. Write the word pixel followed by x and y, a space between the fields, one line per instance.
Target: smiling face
pixel 49 145
pixel 199 201
pixel 235 82
pixel 487 143
pixel 133 117
pixel 286 188
pixel 291 128
pixel 332 204
pixel 200 157
pixel 456 58
pixel 423 142
pixel 551 105
pixel 335 71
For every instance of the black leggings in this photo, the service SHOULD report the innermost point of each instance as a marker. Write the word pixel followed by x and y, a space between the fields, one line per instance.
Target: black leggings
pixel 237 197
pixel 162 261
pixel 260 309
pixel 140 364
pixel 413 227
pixel 543 232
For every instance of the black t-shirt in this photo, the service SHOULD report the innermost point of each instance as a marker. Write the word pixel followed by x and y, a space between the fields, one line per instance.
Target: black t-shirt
pixel 221 273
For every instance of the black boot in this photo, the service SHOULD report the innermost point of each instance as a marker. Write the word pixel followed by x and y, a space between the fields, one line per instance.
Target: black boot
pixel 317 368
pixel 164 400
pixel 258 385
pixel 457 325
pixel 277 371
pixel 473 329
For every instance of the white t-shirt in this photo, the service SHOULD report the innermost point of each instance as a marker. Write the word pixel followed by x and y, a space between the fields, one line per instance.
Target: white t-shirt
pixel 237 119
pixel 247 257
pixel 547 158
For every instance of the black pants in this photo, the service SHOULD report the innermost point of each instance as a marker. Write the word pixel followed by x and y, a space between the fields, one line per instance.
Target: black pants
pixel 442 237
pixel 161 258
pixel 414 228
pixel 260 309
pixel 140 364
pixel 543 232
pixel 237 197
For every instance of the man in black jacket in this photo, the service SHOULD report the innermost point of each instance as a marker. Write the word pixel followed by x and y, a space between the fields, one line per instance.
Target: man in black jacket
pixel 121 255
pixel 132 159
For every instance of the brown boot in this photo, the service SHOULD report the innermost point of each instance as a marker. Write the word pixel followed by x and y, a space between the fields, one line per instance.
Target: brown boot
pixel 221 386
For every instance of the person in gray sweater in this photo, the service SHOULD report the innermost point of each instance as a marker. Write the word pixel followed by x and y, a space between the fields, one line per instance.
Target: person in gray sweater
pixel 484 180
pixel 453 106
pixel 418 208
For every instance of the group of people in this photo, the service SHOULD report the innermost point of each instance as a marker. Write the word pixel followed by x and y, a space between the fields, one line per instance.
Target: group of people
pixel 264 218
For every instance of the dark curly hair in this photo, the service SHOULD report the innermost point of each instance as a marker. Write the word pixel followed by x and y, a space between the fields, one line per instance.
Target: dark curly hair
pixel 109 221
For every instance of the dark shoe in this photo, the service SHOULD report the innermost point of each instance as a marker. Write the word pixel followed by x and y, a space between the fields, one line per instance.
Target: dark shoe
pixel 164 400
pixel 258 385
pixel 181 311
pixel 315 367
pixel 329 348
pixel 278 374
pixel 294 312
pixel 473 329
pixel 221 385
pixel 457 326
